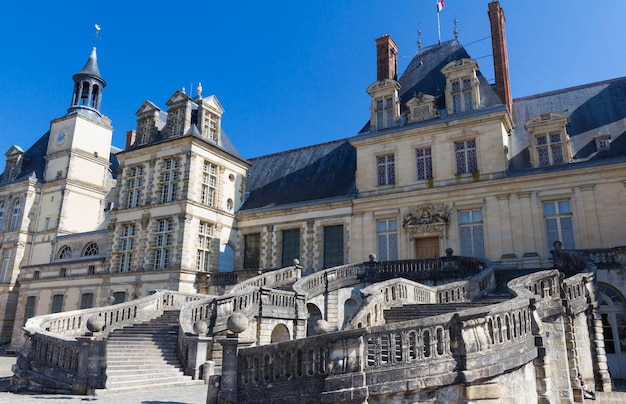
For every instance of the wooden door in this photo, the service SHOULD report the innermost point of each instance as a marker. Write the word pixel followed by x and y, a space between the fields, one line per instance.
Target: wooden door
pixel 427 247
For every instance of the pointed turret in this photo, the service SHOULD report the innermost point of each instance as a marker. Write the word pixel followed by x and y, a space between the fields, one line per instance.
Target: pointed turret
pixel 88 85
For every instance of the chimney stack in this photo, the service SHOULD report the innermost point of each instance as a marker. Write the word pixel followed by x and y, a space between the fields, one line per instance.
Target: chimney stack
pixel 131 136
pixel 386 59
pixel 500 55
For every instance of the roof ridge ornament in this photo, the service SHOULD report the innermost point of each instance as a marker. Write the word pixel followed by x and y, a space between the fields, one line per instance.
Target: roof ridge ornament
pixel 456 27
pixel 97 27
pixel 419 36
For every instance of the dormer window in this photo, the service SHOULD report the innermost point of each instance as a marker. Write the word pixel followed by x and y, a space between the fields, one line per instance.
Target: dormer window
pixel 603 142
pixel 384 113
pixel 549 140
pixel 462 86
pixel 385 106
pixel 147 123
pixel 210 126
pixel 177 120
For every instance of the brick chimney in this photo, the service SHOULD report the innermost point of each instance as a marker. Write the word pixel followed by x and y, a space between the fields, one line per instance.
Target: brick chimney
pixel 386 59
pixel 131 136
pixel 500 55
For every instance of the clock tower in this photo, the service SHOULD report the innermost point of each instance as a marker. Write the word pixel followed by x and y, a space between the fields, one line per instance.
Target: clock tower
pixel 77 174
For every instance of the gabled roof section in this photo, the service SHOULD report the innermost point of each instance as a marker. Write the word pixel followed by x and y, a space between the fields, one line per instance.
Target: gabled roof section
pixel 179 96
pixel 13 150
pixel 213 103
pixel 594 110
pixel 147 106
pixel 312 173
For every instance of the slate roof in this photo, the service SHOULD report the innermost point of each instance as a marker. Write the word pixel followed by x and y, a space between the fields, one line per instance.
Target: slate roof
pixel 594 109
pixel 323 171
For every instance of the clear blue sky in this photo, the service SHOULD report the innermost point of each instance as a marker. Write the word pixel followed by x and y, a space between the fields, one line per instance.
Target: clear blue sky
pixel 288 73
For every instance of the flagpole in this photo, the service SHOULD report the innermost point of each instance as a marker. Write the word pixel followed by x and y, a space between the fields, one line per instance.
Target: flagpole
pixel 438 29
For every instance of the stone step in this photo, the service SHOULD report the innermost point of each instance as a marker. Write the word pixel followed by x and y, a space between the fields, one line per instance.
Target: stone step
pixel 145 381
pixel 141 367
pixel 141 387
pixel 153 372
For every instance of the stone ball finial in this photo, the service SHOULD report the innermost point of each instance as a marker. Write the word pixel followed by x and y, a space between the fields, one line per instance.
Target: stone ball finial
pixel 321 327
pixel 372 257
pixel 95 324
pixel 200 327
pixel 237 323
pixel 558 245
pixel 449 252
pixel 296 262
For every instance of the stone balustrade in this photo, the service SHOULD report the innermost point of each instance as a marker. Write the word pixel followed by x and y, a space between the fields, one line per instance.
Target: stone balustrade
pixel 271 279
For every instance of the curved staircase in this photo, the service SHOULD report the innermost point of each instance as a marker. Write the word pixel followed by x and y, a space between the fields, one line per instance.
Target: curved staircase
pixel 143 356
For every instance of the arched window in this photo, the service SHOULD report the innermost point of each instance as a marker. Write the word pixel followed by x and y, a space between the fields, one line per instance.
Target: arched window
pixel 17 209
pixel 91 249
pixel 65 252
pixel 280 333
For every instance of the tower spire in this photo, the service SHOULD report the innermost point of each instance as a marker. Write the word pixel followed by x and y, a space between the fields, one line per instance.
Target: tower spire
pixel 88 85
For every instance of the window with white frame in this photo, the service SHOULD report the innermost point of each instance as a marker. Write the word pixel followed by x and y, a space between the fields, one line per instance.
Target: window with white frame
pixel 210 126
pixel 127 245
pixel 92 249
pixel 203 257
pixel 163 245
pixel 549 148
pixel 4 268
pixel 387 236
pixel 177 120
pixel 461 90
pixel 133 184
pixel 386 169
pixel 559 223
pixel 465 155
pixel 147 122
pixel 384 107
pixel 424 163
pixel 17 209
pixel 471 233
pixel 209 184
pixel 170 178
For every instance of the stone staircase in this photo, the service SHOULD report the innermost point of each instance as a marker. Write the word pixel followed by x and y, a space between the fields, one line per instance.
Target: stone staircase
pixel 143 356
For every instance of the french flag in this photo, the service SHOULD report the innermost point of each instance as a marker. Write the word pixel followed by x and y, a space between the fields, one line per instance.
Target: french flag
pixel 439 5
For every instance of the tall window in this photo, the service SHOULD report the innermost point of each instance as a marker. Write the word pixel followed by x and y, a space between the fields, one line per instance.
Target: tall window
pixel 386 170
pixel 127 244
pixel 559 223
pixel 549 149
pixel 164 236
pixel 57 303
pixel 30 307
pixel 384 112
pixel 209 184
pixel 177 120
pixel 210 126
pixel 465 153
pixel 86 301
pixel 4 268
pixel 134 183
pixel 15 220
pixel 462 94
pixel 147 123
pixel 1 214
pixel 170 180
pixel 424 163
pixel 471 233
pixel 204 247
pixel 387 236
pixel 291 246
pixel 333 246
pixel 252 251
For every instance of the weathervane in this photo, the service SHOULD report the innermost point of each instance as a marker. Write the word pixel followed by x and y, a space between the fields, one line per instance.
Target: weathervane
pixel 97 32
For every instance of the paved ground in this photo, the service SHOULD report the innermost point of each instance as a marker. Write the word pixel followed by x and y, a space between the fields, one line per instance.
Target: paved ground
pixel 180 395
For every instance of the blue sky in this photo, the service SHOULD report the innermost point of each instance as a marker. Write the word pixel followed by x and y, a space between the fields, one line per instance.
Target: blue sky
pixel 288 73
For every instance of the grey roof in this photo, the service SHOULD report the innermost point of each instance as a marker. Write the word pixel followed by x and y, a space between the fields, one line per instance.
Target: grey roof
pixel 317 172
pixel 33 162
pixel 91 67
pixel 593 109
